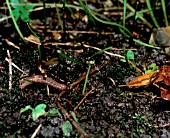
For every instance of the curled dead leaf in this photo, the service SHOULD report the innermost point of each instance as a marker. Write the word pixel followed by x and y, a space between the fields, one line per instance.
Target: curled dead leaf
pixel 142 80
pixel 165 94
pixel 153 77
pixel 164 74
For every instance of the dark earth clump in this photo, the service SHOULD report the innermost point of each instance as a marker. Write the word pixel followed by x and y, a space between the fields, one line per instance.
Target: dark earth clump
pixel 109 110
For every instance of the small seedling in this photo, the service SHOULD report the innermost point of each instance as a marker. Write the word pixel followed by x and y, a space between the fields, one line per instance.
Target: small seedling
pixel 151 68
pixel 54 112
pixel 139 117
pixel 129 56
pixel 67 128
pixel 38 111
pixel 21 11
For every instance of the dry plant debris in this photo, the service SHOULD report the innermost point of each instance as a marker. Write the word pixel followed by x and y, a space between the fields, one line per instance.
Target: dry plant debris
pixel 163 75
pixel 38 78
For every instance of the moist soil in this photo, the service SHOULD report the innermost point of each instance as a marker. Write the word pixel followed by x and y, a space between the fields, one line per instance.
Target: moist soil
pixel 108 110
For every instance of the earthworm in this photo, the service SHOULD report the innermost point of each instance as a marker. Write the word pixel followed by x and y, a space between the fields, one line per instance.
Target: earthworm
pixel 40 79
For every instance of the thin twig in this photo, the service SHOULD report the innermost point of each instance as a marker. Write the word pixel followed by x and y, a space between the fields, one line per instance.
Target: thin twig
pixel 11 43
pixel 5 18
pixel 36 131
pixel 83 77
pixel 68 43
pixel 115 55
pixel 41 79
pixel 165 125
pixel 88 46
pixel 82 100
pixel 66 114
pixel 15 66
pixel 10 70
pixel 111 79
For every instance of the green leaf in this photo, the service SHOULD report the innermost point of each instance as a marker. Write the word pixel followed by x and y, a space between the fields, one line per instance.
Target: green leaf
pixel 21 9
pixel 152 66
pixel 28 107
pixel 25 16
pixel 148 71
pixel 13 2
pixel 38 111
pixel 16 14
pixel 29 7
pixel 67 128
pixel 54 112
pixel 130 55
pixel 22 1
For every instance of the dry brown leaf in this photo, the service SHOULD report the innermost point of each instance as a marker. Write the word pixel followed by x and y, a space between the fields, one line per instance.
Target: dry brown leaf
pixel 52 61
pixel 165 94
pixel 79 51
pixel 164 74
pixel 33 38
pixel 142 80
pixel 56 36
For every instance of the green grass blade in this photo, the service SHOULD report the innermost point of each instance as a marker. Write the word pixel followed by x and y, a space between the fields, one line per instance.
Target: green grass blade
pixel 32 31
pixel 164 11
pixel 124 12
pixel 112 23
pixel 86 79
pixel 47 5
pixel 151 13
pixel 101 51
pixel 68 58
pixel 88 13
pixel 14 21
pixel 140 12
pixel 145 44
pixel 141 17
pixel 59 18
